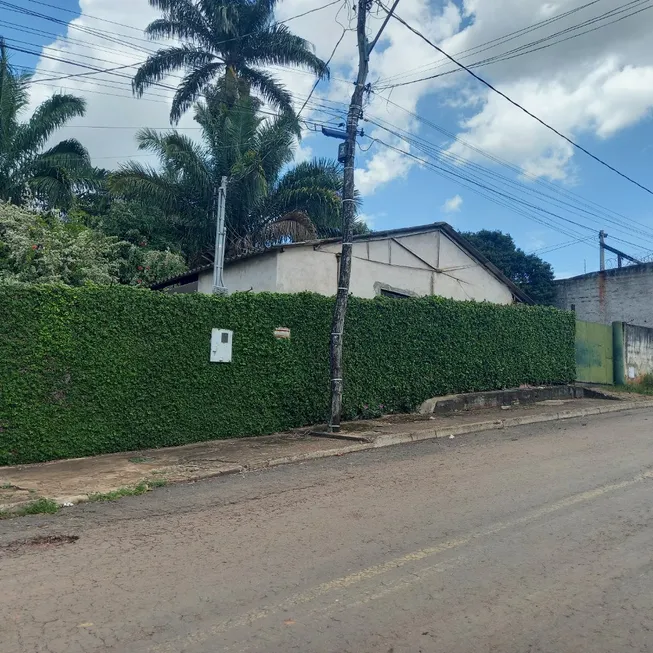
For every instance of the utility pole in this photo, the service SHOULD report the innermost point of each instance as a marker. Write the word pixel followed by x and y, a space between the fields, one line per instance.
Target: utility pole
pixel 218 206
pixel 602 237
pixel 620 255
pixel 349 209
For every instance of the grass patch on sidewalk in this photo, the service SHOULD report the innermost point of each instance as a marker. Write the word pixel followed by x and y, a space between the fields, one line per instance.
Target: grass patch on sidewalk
pixel 128 491
pixel 50 507
pixel 38 507
pixel 643 386
pixel 634 389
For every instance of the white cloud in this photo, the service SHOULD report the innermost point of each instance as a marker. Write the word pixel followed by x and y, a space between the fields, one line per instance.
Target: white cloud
pixel 113 115
pixel 370 219
pixel 304 153
pixel 597 84
pixel 453 204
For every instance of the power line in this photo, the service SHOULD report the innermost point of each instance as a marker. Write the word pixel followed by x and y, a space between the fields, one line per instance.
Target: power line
pixel 519 51
pixel 552 248
pixel 94 69
pixel 519 106
pixel 487 45
pixel 328 61
pixel 77 13
pixel 446 157
pixel 98 32
pixel 110 37
pixel 605 213
pixel 516 52
pixel 506 197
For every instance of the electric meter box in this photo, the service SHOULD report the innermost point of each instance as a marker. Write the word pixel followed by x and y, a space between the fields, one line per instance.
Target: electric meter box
pixel 221 342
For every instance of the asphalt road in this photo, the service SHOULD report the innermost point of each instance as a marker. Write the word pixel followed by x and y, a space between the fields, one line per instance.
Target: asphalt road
pixel 533 539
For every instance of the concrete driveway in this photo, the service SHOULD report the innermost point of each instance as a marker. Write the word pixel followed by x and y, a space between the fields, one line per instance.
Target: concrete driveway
pixel 530 539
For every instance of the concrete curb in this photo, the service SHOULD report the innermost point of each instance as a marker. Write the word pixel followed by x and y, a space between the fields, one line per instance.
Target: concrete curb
pixel 377 441
pixel 444 432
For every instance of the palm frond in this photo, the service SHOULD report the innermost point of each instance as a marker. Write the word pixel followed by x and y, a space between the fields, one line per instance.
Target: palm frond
pixel 294 226
pixel 49 116
pixel 61 172
pixel 144 184
pixel 239 34
pixel 166 61
pixel 278 46
pixel 269 88
pixel 190 89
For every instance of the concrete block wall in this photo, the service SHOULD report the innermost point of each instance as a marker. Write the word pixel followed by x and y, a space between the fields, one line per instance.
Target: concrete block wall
pixel 638 352
pixel 623 294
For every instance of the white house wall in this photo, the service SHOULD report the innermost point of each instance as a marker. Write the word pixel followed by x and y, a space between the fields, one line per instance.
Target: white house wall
pixel 304 269
pixel 464 278
pixel 404 264
pixel 426 263
pixel 258 274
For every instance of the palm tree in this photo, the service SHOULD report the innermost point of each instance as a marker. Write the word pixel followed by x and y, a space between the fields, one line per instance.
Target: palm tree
pixel 227 39
pixel 51 175
pixel 265 205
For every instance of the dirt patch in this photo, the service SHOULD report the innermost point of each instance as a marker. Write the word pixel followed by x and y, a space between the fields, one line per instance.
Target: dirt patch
pixel 38 543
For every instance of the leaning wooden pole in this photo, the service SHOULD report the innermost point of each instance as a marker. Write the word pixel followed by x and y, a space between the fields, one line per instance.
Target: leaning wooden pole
pixel 348 213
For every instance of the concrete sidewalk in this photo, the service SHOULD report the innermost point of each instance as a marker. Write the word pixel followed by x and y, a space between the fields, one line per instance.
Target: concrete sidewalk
pixel 72 481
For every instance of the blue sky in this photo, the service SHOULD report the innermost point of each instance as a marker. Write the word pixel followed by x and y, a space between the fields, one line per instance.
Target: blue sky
pixel 595 87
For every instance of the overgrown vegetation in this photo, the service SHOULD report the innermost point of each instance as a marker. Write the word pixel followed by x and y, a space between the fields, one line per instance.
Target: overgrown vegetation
pixel 44 248
pixel 643 385
pixel 267 202
pixel 128 491
pixel 528 272
pixel 101 369
pixel 140 224
pixel 40 506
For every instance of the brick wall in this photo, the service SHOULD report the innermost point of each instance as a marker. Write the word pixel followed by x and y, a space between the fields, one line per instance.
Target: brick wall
pixel 622 294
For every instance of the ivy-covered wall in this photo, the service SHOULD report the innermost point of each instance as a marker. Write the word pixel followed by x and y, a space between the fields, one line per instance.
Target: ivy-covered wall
pixel 101 369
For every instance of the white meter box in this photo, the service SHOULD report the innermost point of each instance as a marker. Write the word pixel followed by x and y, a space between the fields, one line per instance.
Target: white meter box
pixel 221 342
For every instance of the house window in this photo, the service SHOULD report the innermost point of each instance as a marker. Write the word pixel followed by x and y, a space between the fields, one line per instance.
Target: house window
pixel 573 307
pixel 393 294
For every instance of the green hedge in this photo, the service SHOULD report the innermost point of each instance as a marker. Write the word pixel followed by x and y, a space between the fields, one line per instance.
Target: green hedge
pixel 93 370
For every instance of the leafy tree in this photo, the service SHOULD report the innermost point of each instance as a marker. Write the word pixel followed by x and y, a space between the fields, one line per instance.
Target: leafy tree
pixel 49 177
pixel 231 40
pixel 266 202
pixel 44 248
pixel 126 220
pixel 529 272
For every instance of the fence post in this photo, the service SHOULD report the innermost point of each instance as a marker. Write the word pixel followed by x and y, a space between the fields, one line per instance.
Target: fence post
pixel 618 353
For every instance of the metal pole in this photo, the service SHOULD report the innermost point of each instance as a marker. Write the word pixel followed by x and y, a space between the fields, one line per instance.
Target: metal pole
pixel 218 202
pixel 602 236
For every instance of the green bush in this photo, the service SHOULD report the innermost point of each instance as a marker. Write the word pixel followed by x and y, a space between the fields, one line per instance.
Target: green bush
pixel 101 369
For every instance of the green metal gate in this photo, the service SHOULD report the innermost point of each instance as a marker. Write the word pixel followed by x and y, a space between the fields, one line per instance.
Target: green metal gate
pixel 594 352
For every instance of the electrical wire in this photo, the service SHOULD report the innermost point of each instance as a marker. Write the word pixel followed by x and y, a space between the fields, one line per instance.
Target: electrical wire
pixel 519 106
pixel 487 45
pixel 110 37
pixel 506 199
pixel 447 158
pixel 522 50
pixel 552 248
pixel 604 213
pixel 496 196
pixel 328 61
